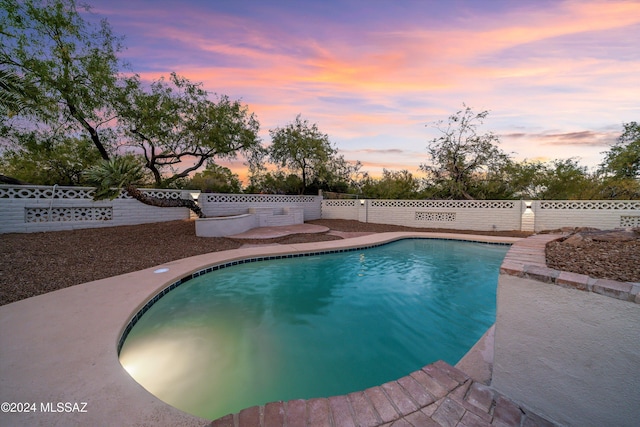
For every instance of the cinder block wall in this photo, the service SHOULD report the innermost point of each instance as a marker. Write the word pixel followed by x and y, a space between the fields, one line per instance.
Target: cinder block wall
pixel 482 215
pixel 488 215
pixel 341 209
pixel 28 209
pixel 603 214
pixel 218 204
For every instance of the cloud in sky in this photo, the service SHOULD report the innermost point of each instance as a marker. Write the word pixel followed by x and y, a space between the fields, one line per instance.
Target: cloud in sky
pixel 559 77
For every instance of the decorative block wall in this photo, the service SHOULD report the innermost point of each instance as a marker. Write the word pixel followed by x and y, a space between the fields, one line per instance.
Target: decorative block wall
pixel 26 209
pixel 483 215
pixel 488 215
pixel 340 209
pixel 603 214
pixel 218 204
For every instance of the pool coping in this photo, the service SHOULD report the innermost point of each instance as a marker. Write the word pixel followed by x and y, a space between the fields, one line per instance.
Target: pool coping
pixel 85 323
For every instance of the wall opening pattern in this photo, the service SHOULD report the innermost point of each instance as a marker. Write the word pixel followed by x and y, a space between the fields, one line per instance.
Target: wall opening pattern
pixel 340 203
pixel 68 214
pixel 257 198
pixel 74 193
pixel 629 221
pixel 40 192
pixel 435 216
pixel 451 204
pixel 591 205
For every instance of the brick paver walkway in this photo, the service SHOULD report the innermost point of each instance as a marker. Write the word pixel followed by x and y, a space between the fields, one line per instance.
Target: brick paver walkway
pixel 436 395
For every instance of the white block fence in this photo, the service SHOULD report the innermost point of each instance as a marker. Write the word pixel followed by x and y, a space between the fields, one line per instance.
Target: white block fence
pixel 488 215
pixel 28 209
pixel 602 214
pixel 25 209
pixel 219 204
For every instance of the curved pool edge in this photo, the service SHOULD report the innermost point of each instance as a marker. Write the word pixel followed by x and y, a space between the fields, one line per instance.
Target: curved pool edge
pixel 289 251
pixel 84 323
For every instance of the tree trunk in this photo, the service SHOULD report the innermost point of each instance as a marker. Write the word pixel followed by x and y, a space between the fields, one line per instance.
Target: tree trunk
pixel 12 181
pixel 163 203
pixel 92 131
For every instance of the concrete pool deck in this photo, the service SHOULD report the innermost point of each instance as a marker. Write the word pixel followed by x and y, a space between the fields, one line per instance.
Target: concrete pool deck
pixel 59 361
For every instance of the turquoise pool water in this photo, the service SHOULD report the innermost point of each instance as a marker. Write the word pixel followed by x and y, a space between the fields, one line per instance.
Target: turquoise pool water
pixel 315 326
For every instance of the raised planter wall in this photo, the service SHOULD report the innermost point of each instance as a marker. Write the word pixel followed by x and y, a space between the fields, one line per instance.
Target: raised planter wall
pixel 225 226
pixel 268 217
pixel 257 217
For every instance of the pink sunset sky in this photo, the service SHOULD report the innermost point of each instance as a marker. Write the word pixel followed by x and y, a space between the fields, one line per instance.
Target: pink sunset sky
pixel 558 77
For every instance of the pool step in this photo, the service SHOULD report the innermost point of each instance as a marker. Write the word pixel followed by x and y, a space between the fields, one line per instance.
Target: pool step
pixel 437 395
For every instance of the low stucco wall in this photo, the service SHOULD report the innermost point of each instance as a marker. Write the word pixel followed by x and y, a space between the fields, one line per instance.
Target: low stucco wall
pixel 257 217
pixel 569 354
pixel 225 226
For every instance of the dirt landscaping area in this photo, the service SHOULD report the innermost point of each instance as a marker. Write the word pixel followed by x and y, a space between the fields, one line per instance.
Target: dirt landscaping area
pixel 36 263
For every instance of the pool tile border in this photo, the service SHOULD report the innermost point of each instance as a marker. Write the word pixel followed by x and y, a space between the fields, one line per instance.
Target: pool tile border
pixel 136 317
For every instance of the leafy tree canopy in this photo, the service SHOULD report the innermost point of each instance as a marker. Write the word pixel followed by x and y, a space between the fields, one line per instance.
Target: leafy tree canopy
pixel 566 180
pixel 274 182
pixel 460 158
pixel 175 124
pixel 215 179
pixel 69 66
pixel 61 88
pixel 303 149
pixel 47 161
pixel 341 175
pixel 392 185
pixel 623 159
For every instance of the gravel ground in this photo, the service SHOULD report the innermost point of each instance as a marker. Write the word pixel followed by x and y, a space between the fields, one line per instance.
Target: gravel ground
pixel 37 263
pixel 604 260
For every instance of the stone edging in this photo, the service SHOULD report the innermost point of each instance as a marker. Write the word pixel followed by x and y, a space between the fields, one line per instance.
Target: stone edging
pixel 526 259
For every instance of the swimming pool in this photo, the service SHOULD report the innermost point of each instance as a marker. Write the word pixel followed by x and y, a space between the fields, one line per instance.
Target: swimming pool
pixel 313 326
